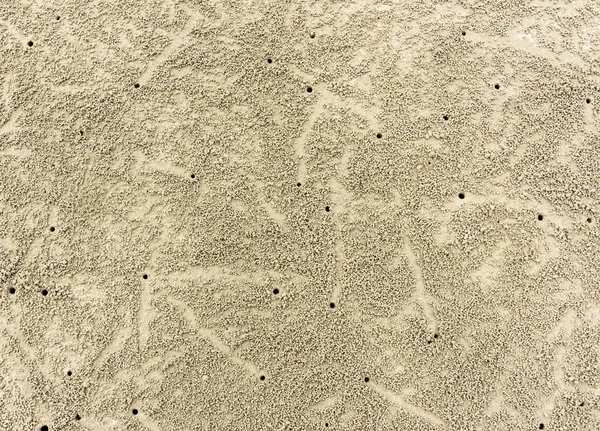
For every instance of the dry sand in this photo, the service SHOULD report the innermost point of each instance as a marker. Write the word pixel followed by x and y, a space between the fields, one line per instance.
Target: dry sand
pixel 190 239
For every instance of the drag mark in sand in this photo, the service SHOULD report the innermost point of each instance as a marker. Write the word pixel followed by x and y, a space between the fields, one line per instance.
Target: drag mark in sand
pixel 209 336
pixel 145 315
pixel 119 339
pixel 339 197
pixel 300 141
pixel 400 403
pixel 171 48
pixel 419 294
pixel 10 125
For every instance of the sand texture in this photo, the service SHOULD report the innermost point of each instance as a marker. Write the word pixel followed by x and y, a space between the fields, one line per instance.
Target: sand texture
pixel 284 215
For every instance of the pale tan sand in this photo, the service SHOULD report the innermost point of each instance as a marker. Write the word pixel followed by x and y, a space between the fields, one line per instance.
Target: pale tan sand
pixel 214 176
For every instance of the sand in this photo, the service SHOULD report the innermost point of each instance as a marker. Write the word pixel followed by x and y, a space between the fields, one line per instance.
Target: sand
pixel 284 215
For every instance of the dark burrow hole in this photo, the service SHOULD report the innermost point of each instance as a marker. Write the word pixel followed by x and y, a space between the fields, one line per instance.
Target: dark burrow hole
pixel 464 33
pixel 327 209
pixel 44 428
pixel 81 132
pixel 262 378
pixel 134 411
pixel 44 292
pixel 30 43
pixel 52 228
pixel 136 85
pixel 312 34
pixel 331 305
pixel 12 290
pixel 379 136
pixel 58 18
pixel 269 60
pixel 298 184
pixel 497 86
pixel 429 341
pixel 193 176
pixel 145 276
pixel 588 100
pixel 589 220
pixel 435 335
pixel 326 424
pixel 367 380
pixel 582 404
pixel 541 426
pixel 445 117
pixel 309 89
pixel 461 195
pixel 77 417
pixel 69 373
pixel 540 217
pixel 275 291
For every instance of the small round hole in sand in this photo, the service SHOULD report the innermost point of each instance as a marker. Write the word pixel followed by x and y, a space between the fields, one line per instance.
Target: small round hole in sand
pixel 435 335
pixel 331 305
pixel 540 217
pixel 136 85
pixel 134 411
pixel 327 209
pixel 309 89
pixel 12 290
pixel 367 380
pixel 312 34
pixel 44 292
pixel 30 43
pixel 58 18
pixel 589 219
pixel 77 417
pixel 299 184
pixel 145 276
pixel 69 373
pixel 582 404
pixel 44 428
pixel 461 195
pixel 193 176
pixel 541 426
pixel 262 378
pixel 52 228
pixel 326 425
pixel 464 33
pixel 269 60
pixel 429 341
pixel 588 100
pixel 379 136
pixel 497 86
pixel 81 132
pixel 445 118
pixel 275 291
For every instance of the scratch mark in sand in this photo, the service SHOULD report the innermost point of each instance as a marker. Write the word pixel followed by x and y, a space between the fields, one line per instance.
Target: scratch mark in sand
pixel 327 403
pixel 420 294
pixel 186 310
pixel 10 125
pixel 145 315
pixel 117 343
pixel 339 197
pixel 6 90
pixel 209 336
pixel 400 403
pixel 300 141
pixel 15 33
pixel 177 41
